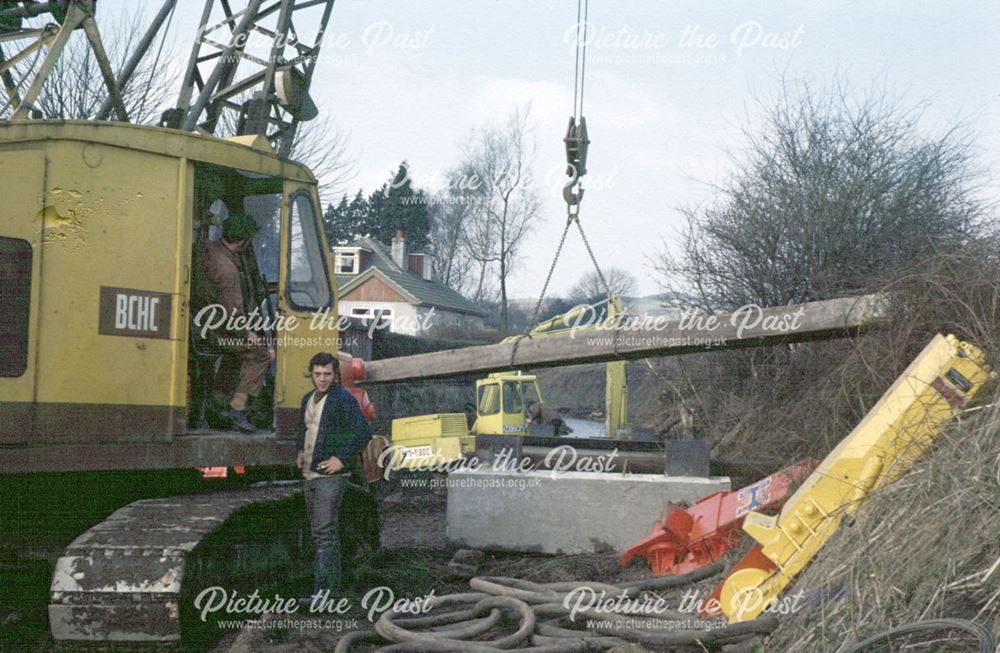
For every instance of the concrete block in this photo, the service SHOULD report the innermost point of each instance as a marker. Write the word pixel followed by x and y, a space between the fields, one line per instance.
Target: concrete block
pixel 687 458
pixel 564 512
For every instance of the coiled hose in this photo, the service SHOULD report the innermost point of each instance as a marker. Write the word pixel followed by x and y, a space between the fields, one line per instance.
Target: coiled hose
pixel 543 621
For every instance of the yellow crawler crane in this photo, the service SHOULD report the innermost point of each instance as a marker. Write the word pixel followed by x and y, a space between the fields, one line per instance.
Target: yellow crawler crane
pixel 940 381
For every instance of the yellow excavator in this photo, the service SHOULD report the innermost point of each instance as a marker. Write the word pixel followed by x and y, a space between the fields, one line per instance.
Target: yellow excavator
pixel 504 401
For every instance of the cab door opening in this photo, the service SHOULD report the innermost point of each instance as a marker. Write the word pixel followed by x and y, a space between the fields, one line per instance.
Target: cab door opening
pixel 213 362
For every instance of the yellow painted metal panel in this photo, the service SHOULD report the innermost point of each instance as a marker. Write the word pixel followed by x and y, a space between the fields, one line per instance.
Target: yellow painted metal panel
pixel 22 190
pixel 616 401
pixel 426 427
pixel 313 332
pixel 158 141
pixel 110 219
pixel 182 281
pixel 432 453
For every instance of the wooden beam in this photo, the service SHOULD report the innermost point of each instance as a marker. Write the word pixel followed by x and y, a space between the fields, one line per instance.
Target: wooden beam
pixel 750 326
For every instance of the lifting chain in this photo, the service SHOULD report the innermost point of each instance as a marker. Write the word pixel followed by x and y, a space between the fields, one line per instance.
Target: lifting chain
pixel 577 143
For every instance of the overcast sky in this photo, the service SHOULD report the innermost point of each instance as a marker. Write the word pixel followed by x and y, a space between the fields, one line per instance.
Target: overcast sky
pixel 669 86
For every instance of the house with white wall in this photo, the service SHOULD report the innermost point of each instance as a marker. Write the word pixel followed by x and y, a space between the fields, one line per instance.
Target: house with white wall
pixel 397 288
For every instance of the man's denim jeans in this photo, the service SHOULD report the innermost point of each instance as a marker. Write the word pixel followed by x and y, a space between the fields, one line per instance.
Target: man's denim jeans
pixel 323 497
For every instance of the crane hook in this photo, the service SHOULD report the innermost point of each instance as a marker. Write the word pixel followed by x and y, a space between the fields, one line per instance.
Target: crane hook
pixel 572 191
pixel 576 142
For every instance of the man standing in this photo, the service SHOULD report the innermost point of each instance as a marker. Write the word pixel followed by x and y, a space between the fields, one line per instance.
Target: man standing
pixel 223 280
pixel 332 433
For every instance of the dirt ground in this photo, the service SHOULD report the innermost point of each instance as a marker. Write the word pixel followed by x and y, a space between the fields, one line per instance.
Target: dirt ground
pixel 413 527
pixel 413 541
pixel 413 560
pixel 414 521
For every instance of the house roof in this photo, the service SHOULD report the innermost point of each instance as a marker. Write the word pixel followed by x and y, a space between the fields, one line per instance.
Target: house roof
pixel 411 286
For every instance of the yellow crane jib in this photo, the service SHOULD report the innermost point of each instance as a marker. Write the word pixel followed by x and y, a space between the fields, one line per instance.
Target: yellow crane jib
pixel 940 381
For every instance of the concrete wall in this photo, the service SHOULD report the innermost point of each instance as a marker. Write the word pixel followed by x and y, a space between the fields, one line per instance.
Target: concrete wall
pixel 565 512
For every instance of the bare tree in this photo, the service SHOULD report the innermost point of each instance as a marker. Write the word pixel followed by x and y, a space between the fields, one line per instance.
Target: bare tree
pixel 589 287
pixel 75 89
pixel 449 216
pixel 501 158
pixel 479 240
pixel 318 144
pixel 323 148
pixel 831 194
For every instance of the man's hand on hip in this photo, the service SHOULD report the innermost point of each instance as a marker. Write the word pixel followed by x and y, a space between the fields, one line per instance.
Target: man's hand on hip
pixel 331 465
pixel 300 461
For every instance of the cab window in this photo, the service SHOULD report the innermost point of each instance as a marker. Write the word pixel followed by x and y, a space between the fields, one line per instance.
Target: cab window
pixel 529 394
pixel 512 398
pixel 265 209
pixel 489 399
pixel 308 285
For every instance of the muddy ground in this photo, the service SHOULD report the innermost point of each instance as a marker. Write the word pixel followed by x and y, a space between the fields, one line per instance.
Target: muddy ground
pixel 413 539
pixel 40 519
pixel 414 543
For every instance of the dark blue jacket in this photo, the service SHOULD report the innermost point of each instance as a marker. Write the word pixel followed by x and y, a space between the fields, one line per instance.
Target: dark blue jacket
pixel 343 430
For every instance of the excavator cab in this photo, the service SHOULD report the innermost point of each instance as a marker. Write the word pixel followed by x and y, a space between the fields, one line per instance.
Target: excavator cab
pixel 502 403
pixel 218 192
pixel 286 275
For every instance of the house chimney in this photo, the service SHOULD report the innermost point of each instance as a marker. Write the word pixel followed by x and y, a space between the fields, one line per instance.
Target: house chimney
pixel 428 267
pixel 399 250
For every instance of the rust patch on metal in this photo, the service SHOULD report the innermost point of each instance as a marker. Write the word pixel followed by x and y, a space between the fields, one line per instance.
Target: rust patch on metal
pixel 66 216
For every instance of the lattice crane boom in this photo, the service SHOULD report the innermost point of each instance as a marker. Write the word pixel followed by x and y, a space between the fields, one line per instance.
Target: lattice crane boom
pixel 251 63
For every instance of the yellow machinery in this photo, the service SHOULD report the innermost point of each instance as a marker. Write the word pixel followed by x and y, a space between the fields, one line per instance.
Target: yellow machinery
pixel 101 354
pixel 430 439
pixel 103 223
pixel 98 240
pixel 616 386
pixel 501 404
pixel 940 381
pixel 502 401
pixel 101 227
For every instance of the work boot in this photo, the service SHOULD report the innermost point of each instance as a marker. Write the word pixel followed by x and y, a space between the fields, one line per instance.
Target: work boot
pixel 239 420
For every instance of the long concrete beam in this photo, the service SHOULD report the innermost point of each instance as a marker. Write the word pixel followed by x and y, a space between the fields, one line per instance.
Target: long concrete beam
pixel 750 326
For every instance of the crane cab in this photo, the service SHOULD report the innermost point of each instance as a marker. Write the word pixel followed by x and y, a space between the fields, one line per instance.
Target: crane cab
pixel 98 233
pixel 429 441
pixel 502 403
